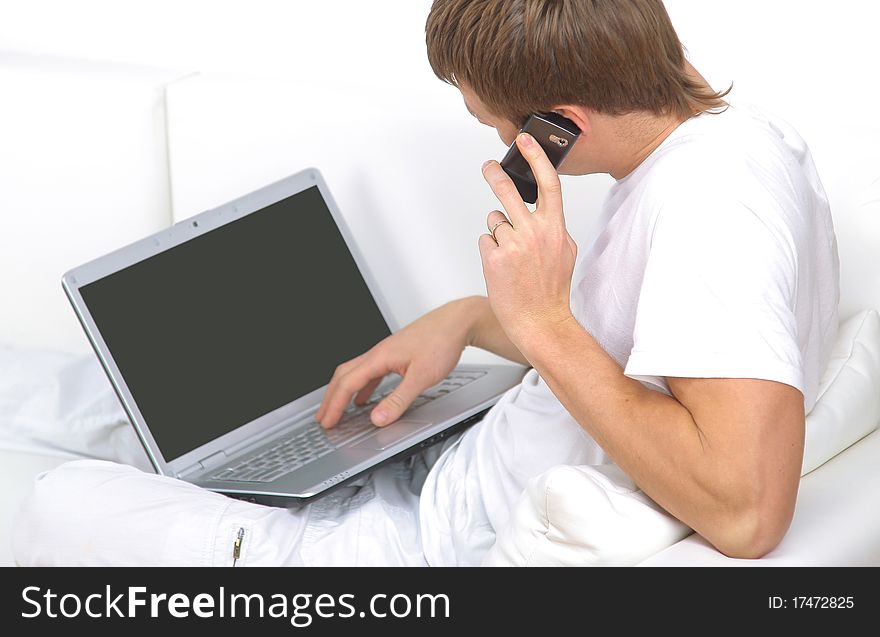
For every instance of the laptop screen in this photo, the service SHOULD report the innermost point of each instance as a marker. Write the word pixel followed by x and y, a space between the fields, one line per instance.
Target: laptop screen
pixel 237 322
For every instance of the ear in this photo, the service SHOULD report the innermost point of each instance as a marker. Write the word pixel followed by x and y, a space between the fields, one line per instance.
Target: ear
pixel 578 114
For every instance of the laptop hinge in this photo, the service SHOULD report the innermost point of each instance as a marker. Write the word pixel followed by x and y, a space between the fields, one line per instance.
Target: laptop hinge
pixel 214 460
pixel 189 471
pixel 205 464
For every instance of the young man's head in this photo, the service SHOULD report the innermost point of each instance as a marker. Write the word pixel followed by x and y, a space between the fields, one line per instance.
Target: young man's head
pixel 614 67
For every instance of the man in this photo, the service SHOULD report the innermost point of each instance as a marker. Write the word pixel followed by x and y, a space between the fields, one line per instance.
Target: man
pixel 685 343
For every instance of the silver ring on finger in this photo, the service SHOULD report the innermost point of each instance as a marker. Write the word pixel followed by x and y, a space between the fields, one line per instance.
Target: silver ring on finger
pixel 495 227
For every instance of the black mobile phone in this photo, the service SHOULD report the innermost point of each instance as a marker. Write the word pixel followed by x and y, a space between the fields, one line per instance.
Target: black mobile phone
pixel 556 135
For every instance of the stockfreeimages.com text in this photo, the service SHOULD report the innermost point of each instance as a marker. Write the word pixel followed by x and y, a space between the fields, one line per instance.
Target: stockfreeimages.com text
pixel 300 609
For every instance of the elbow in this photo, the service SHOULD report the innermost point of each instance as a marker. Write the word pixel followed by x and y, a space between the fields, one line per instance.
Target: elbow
pixel 753 531
pixel 751 513
pixel 754 518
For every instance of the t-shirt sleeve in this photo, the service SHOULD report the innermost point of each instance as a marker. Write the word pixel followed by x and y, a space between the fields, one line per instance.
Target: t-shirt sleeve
pixel 717 297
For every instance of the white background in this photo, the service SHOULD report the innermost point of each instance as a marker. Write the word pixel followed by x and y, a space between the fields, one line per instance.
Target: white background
pixel 815 62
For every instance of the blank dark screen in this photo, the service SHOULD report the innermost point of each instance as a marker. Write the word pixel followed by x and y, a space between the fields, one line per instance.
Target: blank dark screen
pixel 237 322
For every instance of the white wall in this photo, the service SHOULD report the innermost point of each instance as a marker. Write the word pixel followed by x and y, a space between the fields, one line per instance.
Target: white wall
pixel 83 170
pixel 360 41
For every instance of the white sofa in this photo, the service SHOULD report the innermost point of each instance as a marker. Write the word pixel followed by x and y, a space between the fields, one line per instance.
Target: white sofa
pixel 106 152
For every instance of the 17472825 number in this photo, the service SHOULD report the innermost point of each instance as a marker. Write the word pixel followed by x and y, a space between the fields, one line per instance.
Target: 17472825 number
pixel 815 601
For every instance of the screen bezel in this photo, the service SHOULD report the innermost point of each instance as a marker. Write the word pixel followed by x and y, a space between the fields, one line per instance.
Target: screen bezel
pixel 176 235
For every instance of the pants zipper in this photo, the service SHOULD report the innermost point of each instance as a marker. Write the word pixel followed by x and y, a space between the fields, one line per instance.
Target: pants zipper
pixel 236 546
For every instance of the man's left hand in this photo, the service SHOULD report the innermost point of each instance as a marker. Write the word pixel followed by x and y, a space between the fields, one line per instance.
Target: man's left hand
pixel 528 271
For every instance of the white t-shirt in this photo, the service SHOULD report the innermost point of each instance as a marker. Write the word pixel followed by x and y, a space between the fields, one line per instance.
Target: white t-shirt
pixel 715 258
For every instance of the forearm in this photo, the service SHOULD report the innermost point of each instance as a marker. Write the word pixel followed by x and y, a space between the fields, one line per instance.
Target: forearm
pixel 651 436
pixel 486 332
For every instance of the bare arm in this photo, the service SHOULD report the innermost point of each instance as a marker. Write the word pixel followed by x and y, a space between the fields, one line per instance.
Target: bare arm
pixel 722 455
pixel 486 332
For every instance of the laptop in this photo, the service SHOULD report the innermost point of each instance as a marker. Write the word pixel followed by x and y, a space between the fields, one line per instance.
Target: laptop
pixel 221 333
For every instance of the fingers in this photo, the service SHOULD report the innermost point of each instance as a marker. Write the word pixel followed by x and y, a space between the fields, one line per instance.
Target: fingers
pixel 506 191
pixel 341 369
pixel 360 377
pixel 348 379
pixel 366 392
pixel 549 187
pixel 486 245
pixel 397 402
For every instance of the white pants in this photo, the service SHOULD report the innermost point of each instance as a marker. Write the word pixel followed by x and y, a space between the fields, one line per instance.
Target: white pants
pixel 94 512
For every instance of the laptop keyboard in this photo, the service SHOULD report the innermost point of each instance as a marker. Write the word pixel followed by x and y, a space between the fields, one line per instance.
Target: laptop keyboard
pixel 310 442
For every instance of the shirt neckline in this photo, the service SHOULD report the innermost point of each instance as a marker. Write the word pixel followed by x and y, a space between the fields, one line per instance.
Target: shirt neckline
pixel 677 133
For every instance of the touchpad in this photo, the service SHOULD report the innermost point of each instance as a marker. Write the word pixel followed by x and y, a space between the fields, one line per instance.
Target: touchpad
pixel 397 431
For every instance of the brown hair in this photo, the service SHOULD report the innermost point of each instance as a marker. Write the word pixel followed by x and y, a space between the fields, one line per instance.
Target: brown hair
pixel 528 56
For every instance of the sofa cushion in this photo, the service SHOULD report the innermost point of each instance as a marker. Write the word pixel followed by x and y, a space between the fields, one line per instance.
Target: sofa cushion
pixel 848 408
pixel 595 516
pixel 584 516
pixel 63 405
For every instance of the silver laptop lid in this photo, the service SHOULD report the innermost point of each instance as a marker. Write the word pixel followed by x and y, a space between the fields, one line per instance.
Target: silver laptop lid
pixel 232 321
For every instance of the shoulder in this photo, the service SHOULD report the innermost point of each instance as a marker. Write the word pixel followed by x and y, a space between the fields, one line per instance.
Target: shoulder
pixel 720 153
pixel 734 167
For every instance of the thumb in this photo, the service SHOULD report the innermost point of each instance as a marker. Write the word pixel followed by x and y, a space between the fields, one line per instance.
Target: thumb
pixel 573 244
pixel 394 404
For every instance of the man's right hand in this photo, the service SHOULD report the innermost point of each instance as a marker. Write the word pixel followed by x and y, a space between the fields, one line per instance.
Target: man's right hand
pixel 423 353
